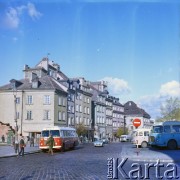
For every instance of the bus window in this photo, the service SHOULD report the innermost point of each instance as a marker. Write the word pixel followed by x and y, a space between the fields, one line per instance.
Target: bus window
pixel 61 134
pixel 146 133
pixel 157 129
pixel 167 129
pixel 176 128
pixel 64 133
pixel 55 133
pixel 45 133
pixel 140 133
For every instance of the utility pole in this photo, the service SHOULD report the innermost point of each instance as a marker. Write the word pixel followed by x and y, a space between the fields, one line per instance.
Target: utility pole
pixel 124 124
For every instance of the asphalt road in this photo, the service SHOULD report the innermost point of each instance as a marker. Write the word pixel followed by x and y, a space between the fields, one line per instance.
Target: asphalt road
pixel 86 162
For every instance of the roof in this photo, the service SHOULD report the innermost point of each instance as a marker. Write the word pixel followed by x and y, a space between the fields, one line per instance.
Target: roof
pixel 45 83
pixel 130 108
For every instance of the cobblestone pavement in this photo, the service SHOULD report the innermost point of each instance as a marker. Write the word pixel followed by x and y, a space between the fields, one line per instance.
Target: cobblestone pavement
pixel 84 163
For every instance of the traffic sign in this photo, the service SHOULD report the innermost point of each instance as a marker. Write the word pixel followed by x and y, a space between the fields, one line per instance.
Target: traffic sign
pixel 136 122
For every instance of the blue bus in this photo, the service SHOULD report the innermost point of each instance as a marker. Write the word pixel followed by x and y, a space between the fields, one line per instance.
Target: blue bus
pixel 166 134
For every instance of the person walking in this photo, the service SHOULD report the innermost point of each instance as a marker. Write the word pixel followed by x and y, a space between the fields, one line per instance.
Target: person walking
pixel 22 146
pixel 50 143
pixel 3 138
pixel 32 141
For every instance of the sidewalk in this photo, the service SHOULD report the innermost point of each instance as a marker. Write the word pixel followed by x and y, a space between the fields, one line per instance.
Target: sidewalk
pixel 8 151
pixel 150 154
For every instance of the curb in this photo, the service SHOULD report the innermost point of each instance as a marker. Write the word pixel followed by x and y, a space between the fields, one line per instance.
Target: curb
pixel 25 153
pixel 151 160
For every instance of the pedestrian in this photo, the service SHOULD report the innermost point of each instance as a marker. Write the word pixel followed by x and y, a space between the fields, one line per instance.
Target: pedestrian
pixel 32 141
pixel 3 138
pixel 16 145
pixel 28 140
pixel 50 143
pixel 22 146
pixel 81 138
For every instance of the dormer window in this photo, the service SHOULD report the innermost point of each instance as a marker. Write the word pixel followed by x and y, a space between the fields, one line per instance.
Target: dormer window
pixel 35 84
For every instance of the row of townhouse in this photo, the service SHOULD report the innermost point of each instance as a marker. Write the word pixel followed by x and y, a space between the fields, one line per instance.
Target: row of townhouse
pixel 47 97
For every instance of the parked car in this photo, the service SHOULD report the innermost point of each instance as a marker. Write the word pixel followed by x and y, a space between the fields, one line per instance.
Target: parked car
pixel 105 141
pixel 98 143
pixel 125 138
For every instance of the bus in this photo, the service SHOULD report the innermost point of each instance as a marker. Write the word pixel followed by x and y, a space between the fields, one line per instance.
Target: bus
pixel 64 137
pixel 166 134
pixel 140 137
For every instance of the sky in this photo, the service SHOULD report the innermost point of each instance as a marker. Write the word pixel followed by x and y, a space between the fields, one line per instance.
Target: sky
pixel 134 45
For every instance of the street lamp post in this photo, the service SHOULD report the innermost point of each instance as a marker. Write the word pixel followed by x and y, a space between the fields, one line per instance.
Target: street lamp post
pixel 15 120
pixel 124 124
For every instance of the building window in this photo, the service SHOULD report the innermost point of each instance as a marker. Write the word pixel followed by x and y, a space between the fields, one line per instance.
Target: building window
pixel 61 101
pixel 77 107
pixel 72 97
pixel 47 115
pixel 77 120
pixel 47 99
pixel 72 109
pixel 80 108
pixel 29 99
pixel 84 110
pixel 59 116
pixel 18 100
pixel 88 100
pixel 84 121
pixel 88 110
pixel 72 121
pixel 63 116
pixel 29 115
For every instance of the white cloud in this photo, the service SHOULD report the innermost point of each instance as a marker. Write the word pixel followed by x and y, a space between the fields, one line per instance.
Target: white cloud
pixel 152 103
pixel 170 89
pixel 116 86
pixel 33 13
pixel 11 19
pixel 13 15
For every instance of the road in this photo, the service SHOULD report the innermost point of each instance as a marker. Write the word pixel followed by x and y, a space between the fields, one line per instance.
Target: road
pixel 84 163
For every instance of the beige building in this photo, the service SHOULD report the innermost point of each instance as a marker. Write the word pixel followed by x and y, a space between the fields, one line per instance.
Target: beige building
pixel 41 101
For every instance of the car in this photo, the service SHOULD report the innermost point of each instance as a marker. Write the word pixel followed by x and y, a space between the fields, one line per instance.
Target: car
pixel 105 141
pixel 124 138
pixel 98 143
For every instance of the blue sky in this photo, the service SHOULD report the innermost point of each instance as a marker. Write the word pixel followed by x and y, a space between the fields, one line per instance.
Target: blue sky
pixel 132 44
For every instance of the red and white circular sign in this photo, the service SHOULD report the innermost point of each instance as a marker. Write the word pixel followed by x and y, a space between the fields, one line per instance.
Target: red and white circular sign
pixel 136 122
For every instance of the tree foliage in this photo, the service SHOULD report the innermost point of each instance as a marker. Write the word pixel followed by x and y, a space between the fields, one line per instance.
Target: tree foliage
pixel 170 110
pixel 120 131
pixel 81 130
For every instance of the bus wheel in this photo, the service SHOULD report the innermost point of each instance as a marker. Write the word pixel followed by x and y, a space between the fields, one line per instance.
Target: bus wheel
pixel 144 144
pixel 172 145
pixel 62 148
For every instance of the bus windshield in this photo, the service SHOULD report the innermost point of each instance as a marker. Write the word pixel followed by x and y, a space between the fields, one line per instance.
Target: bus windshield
pixel 157 129
pixel 55 133
pixel 46 133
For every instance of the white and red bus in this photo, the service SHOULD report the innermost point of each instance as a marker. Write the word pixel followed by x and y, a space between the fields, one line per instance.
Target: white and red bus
pixel 64 137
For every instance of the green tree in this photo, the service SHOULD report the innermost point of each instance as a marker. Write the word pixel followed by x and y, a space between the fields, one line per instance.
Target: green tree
pixel 170 110
pixel 120 131
pixel 81 130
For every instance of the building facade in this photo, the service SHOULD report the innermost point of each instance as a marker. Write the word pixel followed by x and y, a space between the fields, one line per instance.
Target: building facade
pixel 132 111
